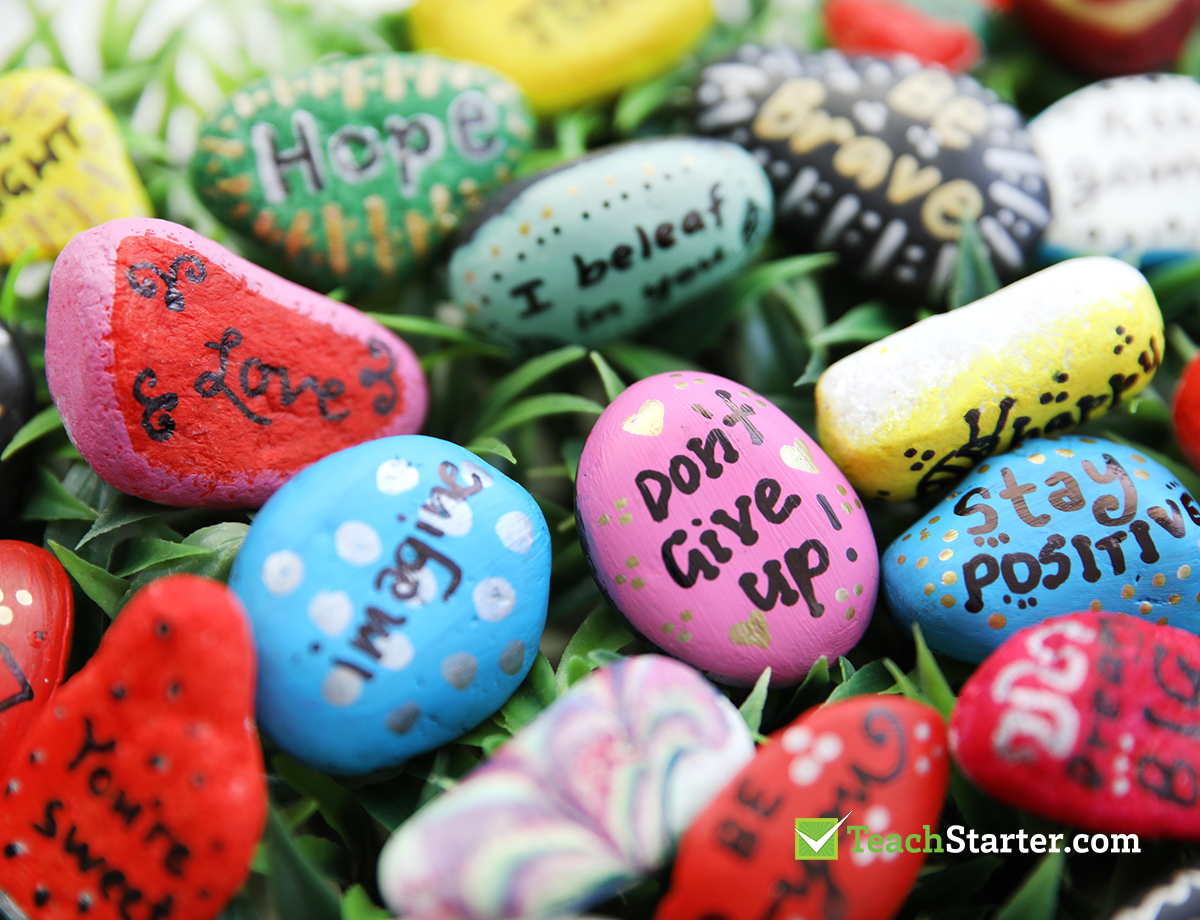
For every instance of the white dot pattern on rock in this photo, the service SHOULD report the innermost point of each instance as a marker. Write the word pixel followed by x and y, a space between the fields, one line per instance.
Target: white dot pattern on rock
pixel 396 651
pixel 24 598
pixel 395 477
pixel 814 753
pixel 515 531
pixel 331 611
pixel 282 572
pixel 6 616
pixel 357 542
pixel 494 599
pixel 459 670
pixel 342 687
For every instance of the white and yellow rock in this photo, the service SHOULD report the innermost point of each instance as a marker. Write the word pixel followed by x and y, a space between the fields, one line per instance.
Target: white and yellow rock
pixel 918 409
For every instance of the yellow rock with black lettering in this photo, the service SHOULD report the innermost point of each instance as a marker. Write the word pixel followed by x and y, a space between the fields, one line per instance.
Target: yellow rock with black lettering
pixel 918 409
pixel 563 53
pixel 63 164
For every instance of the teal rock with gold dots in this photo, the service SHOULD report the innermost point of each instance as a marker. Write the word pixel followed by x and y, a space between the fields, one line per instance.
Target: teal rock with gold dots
pixel 602 246
pixel 353 171
pixel 1055 526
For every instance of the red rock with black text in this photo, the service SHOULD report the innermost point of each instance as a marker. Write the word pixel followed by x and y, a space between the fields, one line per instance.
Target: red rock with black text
pixel 879 762
pixel 1092 719
pixel 139 793
pixel 36 618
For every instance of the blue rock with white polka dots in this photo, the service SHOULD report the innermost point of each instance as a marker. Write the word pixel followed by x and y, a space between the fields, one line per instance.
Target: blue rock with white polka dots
pixel 1055 526
pixel 397 591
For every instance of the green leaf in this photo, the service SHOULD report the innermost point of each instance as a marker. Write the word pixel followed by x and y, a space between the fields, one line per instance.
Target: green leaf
pixel 297 891
pixel 603 629
pixel 325 856
pixel 639 361
pixel 122 510
pixel 52 501
pixel 357 905
pixel 752 708
pixel 144 552
pixel 535 694
pixel 846 668
pixel 536 407
pixel 762 278
pixel 533 371
pixel 8 291
pixel 613 385
pixel 873 677
pixel 952 886
pixel 1037 898
pixel 903 682
pixel 974 275
pixel 933 682
pixel 1180 342
pixel 423 325
pixel 812 370
pixel 868 322
pixel 43 423
pixel 809 691
pixel 338 807
pixel 105 589
pixel 640 100
pixel 492 446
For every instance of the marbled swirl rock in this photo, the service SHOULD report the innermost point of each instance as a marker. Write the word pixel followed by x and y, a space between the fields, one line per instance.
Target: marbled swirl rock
pixel 398 592
pixel 881 161
pixel 563 53
pixel 1178 899
pixel 354 170
pixel 189 376
pixel 722 531
pixel 63 164
pixel 1122 161
pixel 581 803
pixel 875 766
pixel 1055 525
pixel 599 247
pixel 915 411
pixel 140 792
pixel 1088 719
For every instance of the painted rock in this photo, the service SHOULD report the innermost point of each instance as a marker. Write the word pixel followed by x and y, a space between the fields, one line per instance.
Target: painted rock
pixel 16 408
pixel 36 619
pixel 189 376
pixel 915 411
pixel 1056 524
pixel 1186 413
pixel 881 161
pixel 884 27
pixel 1120 160
pixel 1107 38
pixel 398 593
pixel 602 246
pixel 874 768
pixel 585 799
pixel 1088 719
pixel 354 170
pixel 1178 899
pixel 722 531
pixel 140 792
pixel 563 55
pixel 63 164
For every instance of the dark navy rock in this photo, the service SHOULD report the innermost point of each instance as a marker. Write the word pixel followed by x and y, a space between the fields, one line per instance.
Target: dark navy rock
pixel 881 161
pixel 1054 526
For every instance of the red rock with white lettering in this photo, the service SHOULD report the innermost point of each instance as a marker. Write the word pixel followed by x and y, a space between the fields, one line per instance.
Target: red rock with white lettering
pixel 1092 719
pixel 139 791
pixel 873 766
pixel 36 619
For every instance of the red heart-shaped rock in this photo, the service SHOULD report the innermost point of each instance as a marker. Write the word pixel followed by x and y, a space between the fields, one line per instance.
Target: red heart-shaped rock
pixel 1091 719
pixel 878 762
pixel 887 27
pixel 36 617
pixel 139 791
pixel 189 376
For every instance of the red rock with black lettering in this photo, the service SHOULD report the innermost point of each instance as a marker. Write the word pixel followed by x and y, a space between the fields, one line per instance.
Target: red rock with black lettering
pixel 36 620
pixel 1092 719
pixel 139 793
pixel 189 376
pixel 873 766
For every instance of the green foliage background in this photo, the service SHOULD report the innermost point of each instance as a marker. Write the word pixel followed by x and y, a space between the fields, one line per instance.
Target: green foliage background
pixel 774 329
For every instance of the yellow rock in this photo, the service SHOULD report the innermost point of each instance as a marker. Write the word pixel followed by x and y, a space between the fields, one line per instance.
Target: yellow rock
pixel 63 165
pixel 563 52
pixel 918 409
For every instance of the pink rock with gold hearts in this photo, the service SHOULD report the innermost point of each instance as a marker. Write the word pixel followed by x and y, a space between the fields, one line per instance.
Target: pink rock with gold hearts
pixel 722 531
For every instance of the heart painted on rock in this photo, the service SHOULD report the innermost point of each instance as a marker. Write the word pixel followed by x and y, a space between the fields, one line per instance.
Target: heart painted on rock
pixel 798 457
pixel 753 631
pixel 648 420
pixel 36 620
pixel 142 787
pixel 217 380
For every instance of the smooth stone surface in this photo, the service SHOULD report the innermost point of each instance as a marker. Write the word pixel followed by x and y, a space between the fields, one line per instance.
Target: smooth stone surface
pixel 1057 524
pixel 600 247
pixel 722 531
pixel 880 160
pixel 878 761
pixel 563 54
pixel 149 758
pixel 16 408
pixel 1185 413
pixel 1177 899
pixel 1088 719
pixel 398 592
pixel 913 412
pixel 353 171
pixel 886 27
pixel 36 620
pixel 189 376
pixel 1122 161
pixel 64 164
pixel 583 801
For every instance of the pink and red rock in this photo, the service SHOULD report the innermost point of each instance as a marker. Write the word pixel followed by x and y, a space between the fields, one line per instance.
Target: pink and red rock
pixel 879 762
pixel 887 27
pixel 139 792
pixel 1090 719
pixel 36 619
pixel 189 376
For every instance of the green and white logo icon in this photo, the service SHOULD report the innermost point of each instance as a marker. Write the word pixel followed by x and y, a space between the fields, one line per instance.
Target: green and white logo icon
pixel 816 838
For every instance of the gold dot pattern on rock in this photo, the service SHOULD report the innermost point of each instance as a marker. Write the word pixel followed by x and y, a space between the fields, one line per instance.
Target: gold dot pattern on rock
pixel 63 165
